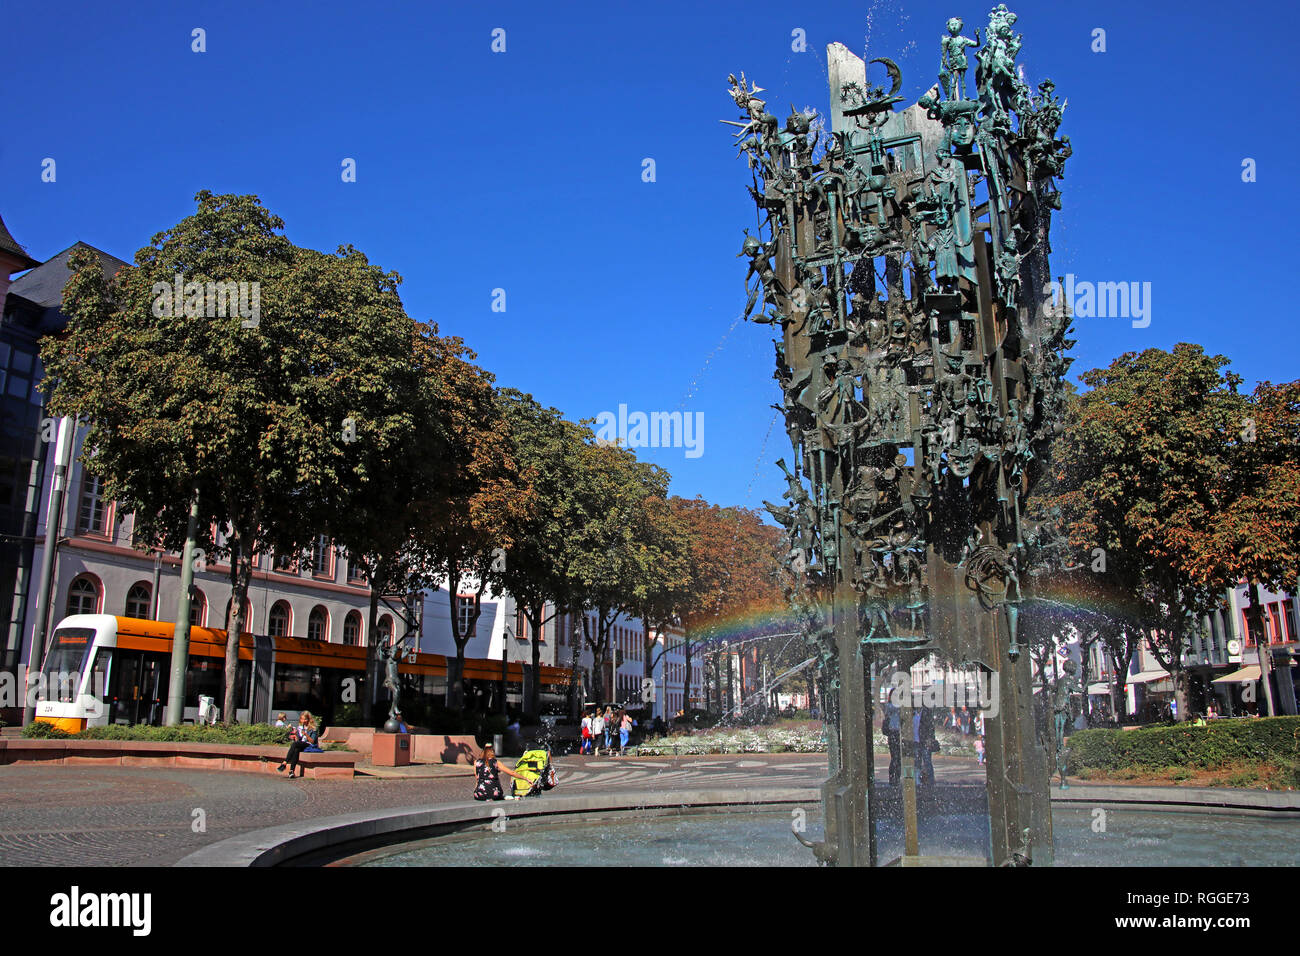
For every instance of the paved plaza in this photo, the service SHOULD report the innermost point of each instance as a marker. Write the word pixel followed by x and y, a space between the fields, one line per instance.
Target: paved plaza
pixel 123 816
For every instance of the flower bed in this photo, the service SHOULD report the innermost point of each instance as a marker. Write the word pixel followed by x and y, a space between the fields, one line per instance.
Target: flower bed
pixel 773 740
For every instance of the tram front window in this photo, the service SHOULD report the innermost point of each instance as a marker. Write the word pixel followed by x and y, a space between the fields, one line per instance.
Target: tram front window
pixel 62 670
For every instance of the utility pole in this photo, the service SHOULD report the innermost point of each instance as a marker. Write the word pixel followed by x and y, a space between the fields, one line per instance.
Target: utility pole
pixel 181 636
pixel 53 521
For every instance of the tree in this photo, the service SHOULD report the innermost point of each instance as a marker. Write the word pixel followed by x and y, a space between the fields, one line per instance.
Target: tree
pixel 238 393
pixel 732 565
pixel 1253 533
pixel 1142 463
pixel 483 494
pixel 538 561
pixel 625 547
pixel 377 524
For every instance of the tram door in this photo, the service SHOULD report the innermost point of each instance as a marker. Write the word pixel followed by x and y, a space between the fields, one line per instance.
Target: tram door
pixel 137 693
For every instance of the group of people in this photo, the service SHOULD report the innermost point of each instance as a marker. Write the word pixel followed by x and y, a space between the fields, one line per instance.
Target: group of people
pixel 923 740
pixel 925 743
pixel 609 725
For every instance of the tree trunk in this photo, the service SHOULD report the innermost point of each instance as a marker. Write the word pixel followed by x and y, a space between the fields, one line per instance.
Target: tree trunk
pixel 241 572
pixel 536 617
pixel 455 673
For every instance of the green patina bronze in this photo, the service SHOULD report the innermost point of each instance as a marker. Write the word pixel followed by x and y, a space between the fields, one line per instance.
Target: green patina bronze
pixel 904 261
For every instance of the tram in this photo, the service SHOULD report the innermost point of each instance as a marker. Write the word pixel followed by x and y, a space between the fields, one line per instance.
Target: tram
pixel 103 669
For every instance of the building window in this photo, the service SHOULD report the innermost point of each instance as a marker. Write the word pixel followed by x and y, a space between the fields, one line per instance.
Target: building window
pixel 385 629
pixel 322 558
pixel 352 629
pixel 138 603
pixel 356 573
pixel 318 626
pixel 277 623
pixel 198 609
pixel 465 615
pixel 90 514
pixel 83 596
pixel 1288 608
pixel 285 564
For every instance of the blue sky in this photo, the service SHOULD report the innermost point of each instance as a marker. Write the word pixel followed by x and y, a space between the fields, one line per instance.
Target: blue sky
pixel 522 170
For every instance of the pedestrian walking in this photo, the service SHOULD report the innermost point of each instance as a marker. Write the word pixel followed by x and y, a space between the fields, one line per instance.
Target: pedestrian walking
pixel 610 727
pixel 585 746
pixel 598 732
pixel 625 731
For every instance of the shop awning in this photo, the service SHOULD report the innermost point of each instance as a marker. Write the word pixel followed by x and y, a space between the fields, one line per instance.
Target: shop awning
pixel 1146 677
pixel 1248 674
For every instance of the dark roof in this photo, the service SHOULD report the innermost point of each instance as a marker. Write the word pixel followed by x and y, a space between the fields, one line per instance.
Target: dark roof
pixel 44 284
pixel 10 245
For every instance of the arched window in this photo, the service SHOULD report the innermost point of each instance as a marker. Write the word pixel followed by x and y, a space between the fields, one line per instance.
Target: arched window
pixel 83 595
pixel 277 623
pixel 318 624
pixel 352 629
pixel 138 601
pixel 386 628
pixel 198 609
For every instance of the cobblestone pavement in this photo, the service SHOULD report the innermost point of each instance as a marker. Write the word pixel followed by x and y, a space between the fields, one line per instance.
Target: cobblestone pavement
pixel 125 816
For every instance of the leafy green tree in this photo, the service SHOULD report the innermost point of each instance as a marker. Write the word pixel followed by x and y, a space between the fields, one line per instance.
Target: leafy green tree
pixel 1142 463
pixel 537 571
pixel 483 496
pixel 1253 532
pixel 625 547
pixel 241 402
pixel 377 524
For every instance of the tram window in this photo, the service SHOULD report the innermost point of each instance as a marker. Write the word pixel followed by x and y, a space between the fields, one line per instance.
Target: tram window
pixel 204 676
pixel 298 688
pixel 64 662
pixel 99 673
pixel 242 681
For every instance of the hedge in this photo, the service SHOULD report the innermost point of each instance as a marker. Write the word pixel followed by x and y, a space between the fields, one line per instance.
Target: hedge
pixel 252 734
pixel 1219 744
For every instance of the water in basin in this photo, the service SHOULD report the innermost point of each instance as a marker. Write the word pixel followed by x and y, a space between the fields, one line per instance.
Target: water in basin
pixel 764 838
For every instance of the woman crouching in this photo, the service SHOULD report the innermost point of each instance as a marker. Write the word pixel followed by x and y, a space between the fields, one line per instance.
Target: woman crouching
pixel 487 770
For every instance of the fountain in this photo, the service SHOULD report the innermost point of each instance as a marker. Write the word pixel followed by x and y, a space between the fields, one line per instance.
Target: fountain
pixel 922 370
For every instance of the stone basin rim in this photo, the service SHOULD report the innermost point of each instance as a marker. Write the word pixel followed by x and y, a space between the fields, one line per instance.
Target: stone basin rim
pixel 276 846
pixel 279 845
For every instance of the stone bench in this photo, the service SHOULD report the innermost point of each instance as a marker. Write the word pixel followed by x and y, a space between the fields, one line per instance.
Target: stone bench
pixel 151 753
pixel 425 747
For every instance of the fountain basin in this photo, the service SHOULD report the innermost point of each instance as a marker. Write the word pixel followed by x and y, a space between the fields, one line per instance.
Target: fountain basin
pixel 1141 826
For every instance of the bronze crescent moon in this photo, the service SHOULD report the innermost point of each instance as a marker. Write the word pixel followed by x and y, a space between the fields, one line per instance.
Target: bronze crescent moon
pixel 895 73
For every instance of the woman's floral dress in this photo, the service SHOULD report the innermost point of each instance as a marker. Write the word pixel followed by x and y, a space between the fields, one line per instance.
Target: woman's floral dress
pixel 489 781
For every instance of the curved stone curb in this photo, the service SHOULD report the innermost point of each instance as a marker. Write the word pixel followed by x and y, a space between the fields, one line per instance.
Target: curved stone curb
pixel 1184 799
pixel 278 845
